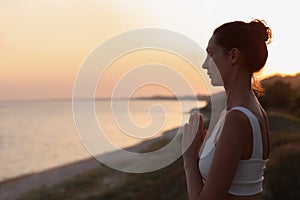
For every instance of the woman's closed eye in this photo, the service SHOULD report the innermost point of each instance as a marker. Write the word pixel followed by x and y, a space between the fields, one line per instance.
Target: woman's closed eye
pixel 209 54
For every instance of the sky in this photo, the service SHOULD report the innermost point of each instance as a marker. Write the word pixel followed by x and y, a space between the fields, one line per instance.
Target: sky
pixel 43 43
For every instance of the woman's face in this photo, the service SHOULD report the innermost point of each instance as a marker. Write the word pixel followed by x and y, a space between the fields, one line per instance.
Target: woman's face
pixel 215 63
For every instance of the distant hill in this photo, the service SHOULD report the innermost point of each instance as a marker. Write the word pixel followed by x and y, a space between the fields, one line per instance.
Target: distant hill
pixel 159 97
pixel 294 81
pixel 282 93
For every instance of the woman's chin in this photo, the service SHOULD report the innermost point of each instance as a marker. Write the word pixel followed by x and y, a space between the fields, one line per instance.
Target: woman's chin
pixel 216 83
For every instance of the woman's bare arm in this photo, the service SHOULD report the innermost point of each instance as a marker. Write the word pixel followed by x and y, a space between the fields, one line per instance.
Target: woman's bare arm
pixel 229 149
pixel 193 135
pixel 235 134
pixel 193 179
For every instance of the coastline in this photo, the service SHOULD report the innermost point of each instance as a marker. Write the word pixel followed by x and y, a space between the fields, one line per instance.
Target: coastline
pixel 13 188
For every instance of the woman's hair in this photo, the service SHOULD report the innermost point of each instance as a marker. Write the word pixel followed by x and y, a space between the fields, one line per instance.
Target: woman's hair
pixel 250 38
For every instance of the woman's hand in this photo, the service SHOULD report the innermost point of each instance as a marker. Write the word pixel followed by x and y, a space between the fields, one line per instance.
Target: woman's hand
pixel 193 136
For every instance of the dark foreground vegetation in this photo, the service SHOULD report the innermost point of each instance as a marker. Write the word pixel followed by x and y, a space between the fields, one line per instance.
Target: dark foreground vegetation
pixel 282 177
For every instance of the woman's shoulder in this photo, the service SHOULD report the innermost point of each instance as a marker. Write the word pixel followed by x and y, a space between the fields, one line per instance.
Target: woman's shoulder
pixel 254 110
pixel 236 122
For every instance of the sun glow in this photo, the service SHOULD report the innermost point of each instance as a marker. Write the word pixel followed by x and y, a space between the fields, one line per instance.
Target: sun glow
pixel 43 43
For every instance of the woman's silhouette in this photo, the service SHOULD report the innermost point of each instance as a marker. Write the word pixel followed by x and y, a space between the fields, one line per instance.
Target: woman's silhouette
pixel 228 163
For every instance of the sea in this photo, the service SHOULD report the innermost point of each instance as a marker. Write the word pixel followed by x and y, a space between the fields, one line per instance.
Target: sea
pixel 37 135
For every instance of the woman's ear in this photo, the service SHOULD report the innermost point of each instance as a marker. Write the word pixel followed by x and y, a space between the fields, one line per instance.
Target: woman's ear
pixel 235 55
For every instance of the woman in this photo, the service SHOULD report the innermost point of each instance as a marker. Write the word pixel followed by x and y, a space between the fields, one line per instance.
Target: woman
pixel 228 163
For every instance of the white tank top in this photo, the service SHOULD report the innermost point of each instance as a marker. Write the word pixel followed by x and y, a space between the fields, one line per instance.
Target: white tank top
pixel 249 175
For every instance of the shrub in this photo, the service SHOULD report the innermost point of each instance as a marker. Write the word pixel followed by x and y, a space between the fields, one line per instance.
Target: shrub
pixel 282 173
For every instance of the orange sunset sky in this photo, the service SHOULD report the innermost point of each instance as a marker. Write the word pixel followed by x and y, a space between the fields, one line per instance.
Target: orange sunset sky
pixel 44 42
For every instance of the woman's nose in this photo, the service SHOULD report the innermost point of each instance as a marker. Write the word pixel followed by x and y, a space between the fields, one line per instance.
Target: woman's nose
pixel 205 64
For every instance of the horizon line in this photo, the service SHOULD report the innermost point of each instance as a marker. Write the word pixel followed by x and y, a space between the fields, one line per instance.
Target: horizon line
pixel 162 97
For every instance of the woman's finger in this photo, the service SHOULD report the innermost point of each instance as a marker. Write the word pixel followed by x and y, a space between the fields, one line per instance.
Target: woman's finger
pixel 197 135
pixel 190 125
pixel 200 126
pixel 195 124
pixel 191 119
pixel 203 134
pixel 185 129
pixel 201 123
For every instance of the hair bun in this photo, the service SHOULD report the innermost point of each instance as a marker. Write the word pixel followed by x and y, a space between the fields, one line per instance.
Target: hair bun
pixel 260 30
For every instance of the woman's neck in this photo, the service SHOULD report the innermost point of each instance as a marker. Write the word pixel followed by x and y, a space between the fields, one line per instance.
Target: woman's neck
pixel 239 91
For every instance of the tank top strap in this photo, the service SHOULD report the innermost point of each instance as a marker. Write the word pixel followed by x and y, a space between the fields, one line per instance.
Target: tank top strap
pixel 257 151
